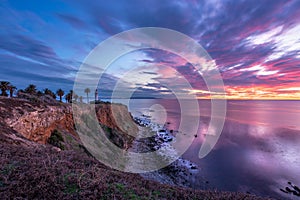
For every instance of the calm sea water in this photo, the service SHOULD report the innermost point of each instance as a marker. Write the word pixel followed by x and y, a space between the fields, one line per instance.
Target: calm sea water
pixel 259 148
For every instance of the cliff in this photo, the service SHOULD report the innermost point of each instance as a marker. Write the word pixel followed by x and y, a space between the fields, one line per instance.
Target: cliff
pixel 37 120
pixel 32 169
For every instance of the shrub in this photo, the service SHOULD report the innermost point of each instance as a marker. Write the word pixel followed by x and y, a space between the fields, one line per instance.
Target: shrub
pixel 56 139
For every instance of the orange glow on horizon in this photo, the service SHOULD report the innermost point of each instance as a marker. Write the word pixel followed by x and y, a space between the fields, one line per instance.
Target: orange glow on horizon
pixel 254 93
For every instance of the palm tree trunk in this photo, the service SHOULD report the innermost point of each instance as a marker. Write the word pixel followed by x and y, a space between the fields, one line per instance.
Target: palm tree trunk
pixel 3 92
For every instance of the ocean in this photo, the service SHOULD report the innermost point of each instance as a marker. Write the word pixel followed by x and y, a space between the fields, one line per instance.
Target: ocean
pixel 257 152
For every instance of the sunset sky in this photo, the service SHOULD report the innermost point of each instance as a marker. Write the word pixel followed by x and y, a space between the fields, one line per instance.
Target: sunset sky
pixel 254 44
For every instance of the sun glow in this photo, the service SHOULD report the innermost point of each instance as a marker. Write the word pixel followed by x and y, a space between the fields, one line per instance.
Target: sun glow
pixel 252 93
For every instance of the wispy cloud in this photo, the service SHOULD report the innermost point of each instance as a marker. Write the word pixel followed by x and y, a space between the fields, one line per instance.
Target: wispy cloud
pixel 254 44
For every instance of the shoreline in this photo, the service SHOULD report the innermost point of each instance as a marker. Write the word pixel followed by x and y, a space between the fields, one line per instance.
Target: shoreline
pixel 181 172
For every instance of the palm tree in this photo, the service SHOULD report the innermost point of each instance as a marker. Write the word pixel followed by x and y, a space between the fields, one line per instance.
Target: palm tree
pixel 31 89
pixel 11 89
pixel 87 91
pixel 68 98
pixel 60 93
pixel 4 87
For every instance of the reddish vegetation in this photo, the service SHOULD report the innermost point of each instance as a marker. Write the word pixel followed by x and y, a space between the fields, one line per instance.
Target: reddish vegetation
pixel 41 172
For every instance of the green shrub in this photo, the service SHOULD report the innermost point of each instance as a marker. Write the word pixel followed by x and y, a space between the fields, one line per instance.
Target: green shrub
pixel 70 186
pixel 56 139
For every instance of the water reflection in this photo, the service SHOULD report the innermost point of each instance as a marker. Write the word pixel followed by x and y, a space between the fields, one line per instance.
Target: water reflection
pixel 258 151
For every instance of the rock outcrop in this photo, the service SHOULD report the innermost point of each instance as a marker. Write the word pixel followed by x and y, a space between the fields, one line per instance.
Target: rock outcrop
pixel 36 120
pixel 116 116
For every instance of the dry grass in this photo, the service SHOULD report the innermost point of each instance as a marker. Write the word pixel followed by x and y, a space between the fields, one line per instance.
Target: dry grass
pixel 44 173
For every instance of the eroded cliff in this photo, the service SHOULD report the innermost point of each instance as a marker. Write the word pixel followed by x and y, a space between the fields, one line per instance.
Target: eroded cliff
pixel 36 120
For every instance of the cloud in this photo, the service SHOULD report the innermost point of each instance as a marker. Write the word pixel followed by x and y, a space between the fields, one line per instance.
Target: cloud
pixel 31 72
pixel 238 35
pixel 151 73
pixel 73 21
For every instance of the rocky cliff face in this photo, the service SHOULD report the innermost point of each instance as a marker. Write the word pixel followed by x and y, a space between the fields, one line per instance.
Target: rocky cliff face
pixel 36 120
pixel 116 116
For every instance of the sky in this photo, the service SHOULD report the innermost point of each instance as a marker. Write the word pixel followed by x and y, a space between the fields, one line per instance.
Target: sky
pixel 255 45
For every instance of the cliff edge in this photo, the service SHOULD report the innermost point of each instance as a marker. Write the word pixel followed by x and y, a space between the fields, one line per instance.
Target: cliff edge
pixel 37 120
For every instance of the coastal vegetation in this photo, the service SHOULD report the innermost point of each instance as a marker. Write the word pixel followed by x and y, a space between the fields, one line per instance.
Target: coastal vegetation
pixel 56 139
pixel 87 91
pixel 7 89
pixel 4 86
